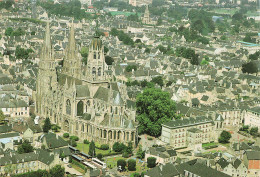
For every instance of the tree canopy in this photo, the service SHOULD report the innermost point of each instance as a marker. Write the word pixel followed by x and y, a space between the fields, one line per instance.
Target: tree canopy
pixel 71 9
pixel 47 125
pixel 255 56
pixel 25 147
pixel 224 137
pixel 249 67
pixel 154 107
pixel 92 150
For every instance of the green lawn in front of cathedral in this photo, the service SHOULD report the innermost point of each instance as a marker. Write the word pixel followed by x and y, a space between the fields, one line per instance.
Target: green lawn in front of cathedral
pixel 112 163
pixel 85 149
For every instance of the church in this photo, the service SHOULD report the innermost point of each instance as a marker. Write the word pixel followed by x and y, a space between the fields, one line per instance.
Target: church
pixel 84 100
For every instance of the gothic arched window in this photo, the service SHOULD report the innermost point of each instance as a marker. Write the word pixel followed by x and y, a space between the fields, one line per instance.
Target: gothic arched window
pixel 68 107
pixel 94 71
pixel 80 108
pixel 99 71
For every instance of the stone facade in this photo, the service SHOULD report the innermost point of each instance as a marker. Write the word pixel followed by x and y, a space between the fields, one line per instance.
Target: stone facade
pixel 252 117
pixel 84 100
pixel 189 132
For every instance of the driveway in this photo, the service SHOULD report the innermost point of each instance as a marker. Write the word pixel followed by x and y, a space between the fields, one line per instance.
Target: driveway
pixel 71 170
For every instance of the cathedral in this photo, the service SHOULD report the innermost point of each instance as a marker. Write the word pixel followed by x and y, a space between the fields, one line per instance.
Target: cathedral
pixel 84 100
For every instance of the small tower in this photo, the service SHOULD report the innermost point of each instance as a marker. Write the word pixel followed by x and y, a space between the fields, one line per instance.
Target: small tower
pixel 46 81
pixel 72 63
pixel 96 66
pixel 146 17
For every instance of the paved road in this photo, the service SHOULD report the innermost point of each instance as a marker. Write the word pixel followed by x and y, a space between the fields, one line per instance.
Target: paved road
pixel 71 170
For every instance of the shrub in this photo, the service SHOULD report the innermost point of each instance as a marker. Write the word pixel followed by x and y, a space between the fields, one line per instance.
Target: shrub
pixel 149 138
pixel 122 164
pixel 74 138
pixel 72 143
pixel 66 135
pixel 99 156
pixel 151 162
pixel 125 155
pixel 135 174
pixel 118 147
pixel 86 142
pixel 104 147
pixel 131 165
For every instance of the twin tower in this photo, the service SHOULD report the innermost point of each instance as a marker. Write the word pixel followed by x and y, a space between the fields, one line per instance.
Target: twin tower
pixel 95 72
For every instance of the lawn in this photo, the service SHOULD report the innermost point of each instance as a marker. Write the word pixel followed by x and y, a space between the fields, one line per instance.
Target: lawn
pixel 77 168
pixel 209 144
pixel 140 167
pixel 113 161
pixel 85 149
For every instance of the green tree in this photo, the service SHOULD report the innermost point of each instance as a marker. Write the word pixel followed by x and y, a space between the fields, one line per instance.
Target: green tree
pixel 195 60
pixel 249 67
pixel 47 125
pixel 154 107
pixel 57 171
pixel 25 147
pixel 151 162
pixel 223 37
pixel 129 148
pixel 255 56
pixel 66 135
pixel 140 153
pixel 109 60
pixel 224 137
pixel 253 131
pixel 158 80
pixel 22 53
pixel 92 150
pixel 84 54
pixel 121 164
pixel 118 147
pixel 9 31
pixel 131 163
pixel 147 50
pixel 99 156
pixel 248 39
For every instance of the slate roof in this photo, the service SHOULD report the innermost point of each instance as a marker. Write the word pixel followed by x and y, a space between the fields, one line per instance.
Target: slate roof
pixel 187 122
pixel 5 128
pixel 253 155
pixel 82 91
pixel 41 155
pixel 223 163
pixel 102 94
pixel 53 141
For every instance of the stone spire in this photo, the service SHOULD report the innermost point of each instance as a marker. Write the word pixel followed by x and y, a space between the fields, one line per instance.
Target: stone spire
pixel 47 47
pixel 72 63
pixel 71 49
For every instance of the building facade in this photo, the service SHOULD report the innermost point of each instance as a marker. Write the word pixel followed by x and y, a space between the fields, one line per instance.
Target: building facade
pixel 189 132
pixel 84 99
pixel 252 117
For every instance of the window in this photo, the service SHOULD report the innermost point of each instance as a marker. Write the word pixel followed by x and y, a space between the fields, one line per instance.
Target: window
pixel 99 71
pixel 93 71
pixel 68 107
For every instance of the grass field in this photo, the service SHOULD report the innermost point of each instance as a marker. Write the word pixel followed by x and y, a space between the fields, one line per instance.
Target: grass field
pixel 85 149
pixel 78 168
pixel 140 167
pixel 209 144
